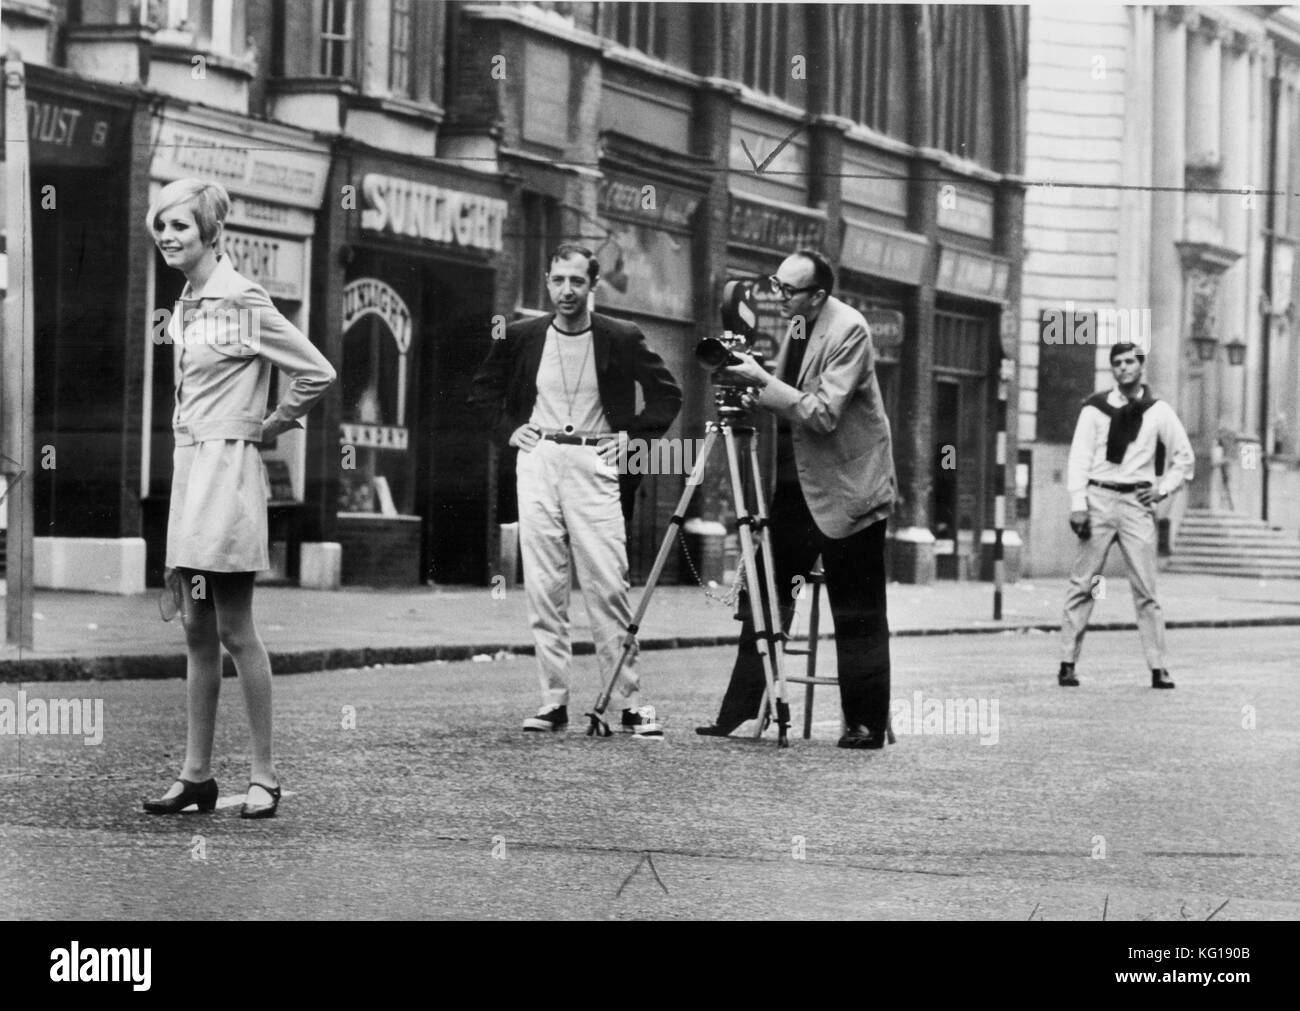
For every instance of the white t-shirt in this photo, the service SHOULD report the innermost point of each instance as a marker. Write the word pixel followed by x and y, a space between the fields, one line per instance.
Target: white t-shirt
pixel 567 391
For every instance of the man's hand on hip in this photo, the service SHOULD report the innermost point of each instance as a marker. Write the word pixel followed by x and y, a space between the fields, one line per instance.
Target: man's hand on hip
pixel 526 437
pixel 1080 525
pixel 614 450
pixel 1150 496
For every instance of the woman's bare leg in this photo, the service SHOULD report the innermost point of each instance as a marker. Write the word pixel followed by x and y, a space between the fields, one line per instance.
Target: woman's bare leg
pixel 202 676
pixel 233 593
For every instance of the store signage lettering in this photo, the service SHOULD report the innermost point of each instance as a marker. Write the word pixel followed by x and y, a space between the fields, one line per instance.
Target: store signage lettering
pixel 64 131
pixel 374 436
pixel 421 211
pixel 886 326
pixel 649 202
pixel 967 213
pixel 973 274
pixel 755 224
pixel 895 255
pixel 276 264
pixel 368 296
pixel 246 165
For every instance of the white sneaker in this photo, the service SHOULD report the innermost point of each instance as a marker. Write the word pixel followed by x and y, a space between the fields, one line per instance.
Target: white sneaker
pixel 642 722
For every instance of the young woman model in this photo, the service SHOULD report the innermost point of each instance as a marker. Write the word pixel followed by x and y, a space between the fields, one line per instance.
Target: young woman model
pixel 226 336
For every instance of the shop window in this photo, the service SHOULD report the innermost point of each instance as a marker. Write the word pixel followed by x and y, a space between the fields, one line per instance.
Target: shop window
pixel 215 26
pixel 541 234
pixel 873 66
pixel 772 36
pixel 961 343
pixel 964 100
pixel 399 49
pixel 335 33
pixel 661 30
pixel 374 380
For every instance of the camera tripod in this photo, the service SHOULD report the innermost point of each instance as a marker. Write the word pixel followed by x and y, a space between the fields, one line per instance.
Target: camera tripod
pixel 768 641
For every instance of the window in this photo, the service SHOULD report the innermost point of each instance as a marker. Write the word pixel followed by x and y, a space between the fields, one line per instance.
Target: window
pixel 661 30
pixel 772 36
pixel 399 49
pixel 216 26
pixel 873 66
pixel 335 38
pixel 541 234
pixel 964 99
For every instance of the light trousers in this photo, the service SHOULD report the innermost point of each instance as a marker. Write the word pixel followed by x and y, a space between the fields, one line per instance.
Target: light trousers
pixel 1115 516
pixel 569 508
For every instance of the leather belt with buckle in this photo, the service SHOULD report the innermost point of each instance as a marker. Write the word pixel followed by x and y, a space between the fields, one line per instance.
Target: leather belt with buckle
pixel 577 440
pixel 1124 488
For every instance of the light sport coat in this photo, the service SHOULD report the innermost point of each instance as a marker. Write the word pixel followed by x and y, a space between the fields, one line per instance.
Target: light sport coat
pixel 225 339
pixel 843 447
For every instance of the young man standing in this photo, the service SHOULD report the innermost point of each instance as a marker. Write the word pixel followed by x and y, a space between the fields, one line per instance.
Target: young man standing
pixel 562 389
pixel 1115 480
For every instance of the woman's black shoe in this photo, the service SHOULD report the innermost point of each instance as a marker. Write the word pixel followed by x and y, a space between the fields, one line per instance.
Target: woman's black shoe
pixel 204 795
pixel 261 810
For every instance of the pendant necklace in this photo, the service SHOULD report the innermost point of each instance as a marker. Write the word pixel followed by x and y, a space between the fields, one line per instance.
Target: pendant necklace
pixel 559 354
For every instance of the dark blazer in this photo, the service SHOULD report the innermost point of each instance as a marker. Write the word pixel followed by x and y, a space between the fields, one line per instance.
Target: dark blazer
pixel 505 388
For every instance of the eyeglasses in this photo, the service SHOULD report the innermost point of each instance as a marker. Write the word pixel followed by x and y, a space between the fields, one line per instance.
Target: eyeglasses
pixel 779 287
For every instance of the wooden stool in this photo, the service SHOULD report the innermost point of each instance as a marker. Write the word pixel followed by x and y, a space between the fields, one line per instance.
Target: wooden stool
pixel 810 679
pixel 815 579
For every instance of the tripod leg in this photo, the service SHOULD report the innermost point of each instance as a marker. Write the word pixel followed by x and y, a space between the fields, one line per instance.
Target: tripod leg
pixel 598 727
pixel 764 641
pixel 769 570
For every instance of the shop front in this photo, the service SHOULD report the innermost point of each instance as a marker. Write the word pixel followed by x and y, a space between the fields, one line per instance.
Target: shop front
pixel 648 277
pixel 276 179
pixel 86 379
pixel 415 262
pixel 971 290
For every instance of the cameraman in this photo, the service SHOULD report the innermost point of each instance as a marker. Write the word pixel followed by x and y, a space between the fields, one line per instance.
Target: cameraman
pixel 835 488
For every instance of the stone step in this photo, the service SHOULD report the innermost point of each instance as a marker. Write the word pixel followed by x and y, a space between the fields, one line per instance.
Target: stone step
pixel 1229 545
pixel 1251 573
pixel 1234 562
pixel 1243 535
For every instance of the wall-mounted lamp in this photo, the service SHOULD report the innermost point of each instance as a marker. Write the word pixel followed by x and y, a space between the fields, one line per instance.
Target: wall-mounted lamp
pixel 1236 351
pixel 1205 347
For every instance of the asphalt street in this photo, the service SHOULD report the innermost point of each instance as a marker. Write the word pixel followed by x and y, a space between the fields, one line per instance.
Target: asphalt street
pixel 411 793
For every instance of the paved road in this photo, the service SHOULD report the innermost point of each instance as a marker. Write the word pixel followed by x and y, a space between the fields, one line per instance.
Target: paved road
pixel 1160 805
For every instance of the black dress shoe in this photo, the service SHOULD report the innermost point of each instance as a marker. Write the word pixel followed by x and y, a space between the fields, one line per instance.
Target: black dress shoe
pixel 261 810
pixel 1065 677
pixel 861 737
pixel 1160 678
pixel 204 795
pixel 717 729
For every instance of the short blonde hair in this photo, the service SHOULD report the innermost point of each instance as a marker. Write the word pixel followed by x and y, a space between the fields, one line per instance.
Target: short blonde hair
pixel 209 202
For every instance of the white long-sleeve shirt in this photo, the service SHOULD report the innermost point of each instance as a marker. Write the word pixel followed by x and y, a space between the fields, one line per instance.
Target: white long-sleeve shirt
pixel 1088 452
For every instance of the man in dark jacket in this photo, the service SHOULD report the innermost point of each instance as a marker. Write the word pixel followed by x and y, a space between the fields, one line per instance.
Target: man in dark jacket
pixel 562 391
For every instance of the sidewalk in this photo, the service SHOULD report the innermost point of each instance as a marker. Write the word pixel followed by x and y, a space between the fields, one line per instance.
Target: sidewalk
pixel 88 636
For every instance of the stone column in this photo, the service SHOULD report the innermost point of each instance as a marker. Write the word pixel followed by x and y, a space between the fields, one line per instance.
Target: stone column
pixel 1234 217
pixel 1168 140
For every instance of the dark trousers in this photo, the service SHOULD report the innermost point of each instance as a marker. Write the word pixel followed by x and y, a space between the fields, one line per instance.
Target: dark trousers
pixel 855 584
